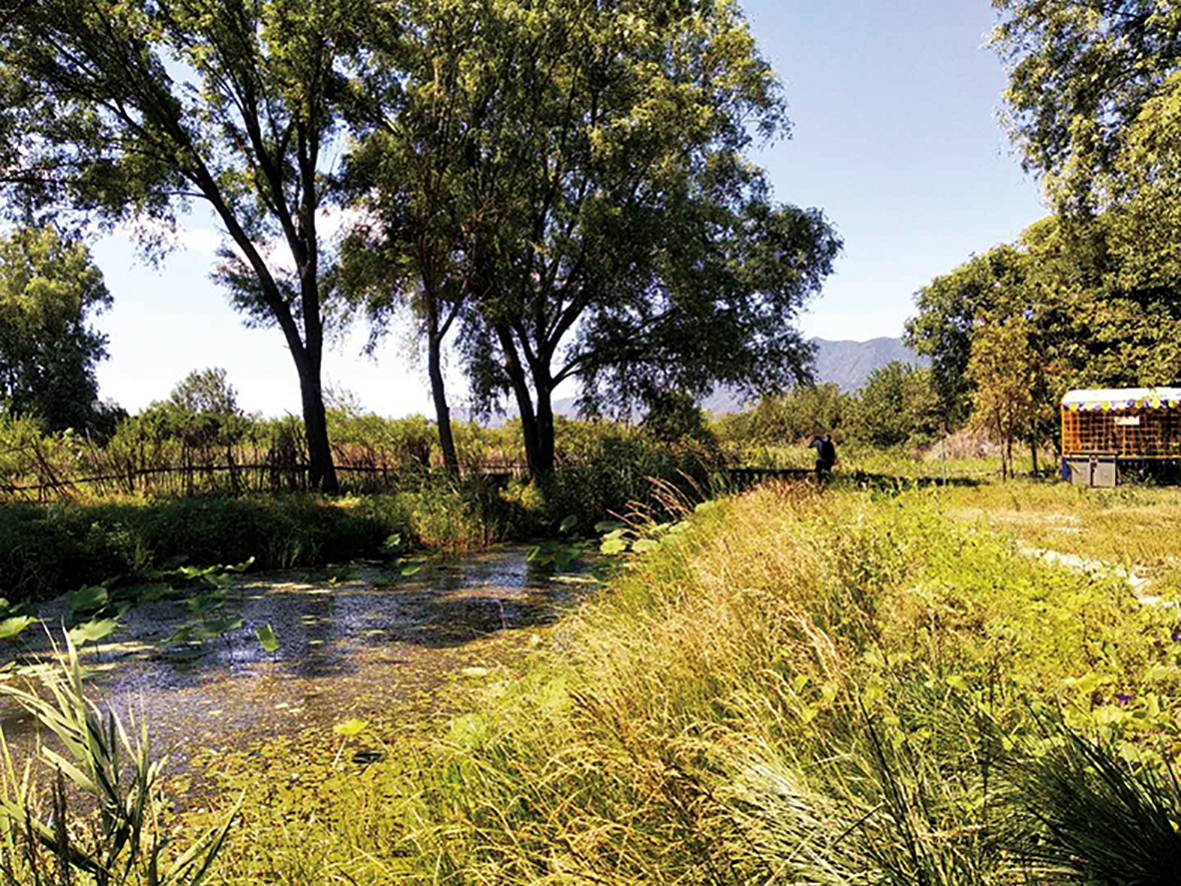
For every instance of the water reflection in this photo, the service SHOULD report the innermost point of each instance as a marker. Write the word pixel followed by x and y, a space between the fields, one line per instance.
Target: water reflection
pixel 361 644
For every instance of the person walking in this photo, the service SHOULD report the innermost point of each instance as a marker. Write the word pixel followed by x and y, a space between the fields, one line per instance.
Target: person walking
pixel 826 457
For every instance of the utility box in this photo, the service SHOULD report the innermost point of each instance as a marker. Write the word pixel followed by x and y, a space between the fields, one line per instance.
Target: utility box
pixel 1090 471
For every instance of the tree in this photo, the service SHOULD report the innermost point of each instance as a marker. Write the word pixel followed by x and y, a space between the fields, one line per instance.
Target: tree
pixel 1082 72
pixel 590 213
pixel 675 417
pixel 896 406
pixel 948 309
pixel 49 290
pixel 206 390
pixel 1002 367
pixel 1095 315
pixel 129 110
pixel 785 419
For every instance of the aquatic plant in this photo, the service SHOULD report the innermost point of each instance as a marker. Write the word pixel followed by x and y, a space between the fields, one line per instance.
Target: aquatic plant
pixel 117 838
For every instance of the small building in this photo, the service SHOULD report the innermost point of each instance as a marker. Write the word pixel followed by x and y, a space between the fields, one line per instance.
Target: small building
pixel 1114 434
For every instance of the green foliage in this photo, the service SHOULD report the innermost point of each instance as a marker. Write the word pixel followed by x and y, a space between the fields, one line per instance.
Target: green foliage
pixel 1082 807
pixel 832 688
pixel 266 636
pixel 674 417
pixel 49 290
pixel 1094 315
pixel 897 406
pixel 1003 368
pixel 125 844
pixel 800 414
pixel 949 307
pixel 1081 75
pixel 46 550
pixel 656 259
pixel 130 110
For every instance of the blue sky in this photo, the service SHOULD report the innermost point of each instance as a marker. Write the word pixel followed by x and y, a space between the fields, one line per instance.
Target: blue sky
pixel 895 136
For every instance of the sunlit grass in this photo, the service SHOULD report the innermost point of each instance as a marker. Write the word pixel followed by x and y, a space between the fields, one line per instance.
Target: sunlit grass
pixel 803 686
pixel 1136 526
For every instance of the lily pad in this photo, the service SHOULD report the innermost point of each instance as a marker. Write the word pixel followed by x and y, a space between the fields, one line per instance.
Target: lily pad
pixel 266 636
pixel 93 631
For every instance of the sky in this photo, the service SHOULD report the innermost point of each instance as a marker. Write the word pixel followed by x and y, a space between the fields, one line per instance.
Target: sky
pixel 895 136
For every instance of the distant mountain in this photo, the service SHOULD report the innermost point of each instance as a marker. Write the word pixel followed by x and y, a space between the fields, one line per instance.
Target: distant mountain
pixel 849 364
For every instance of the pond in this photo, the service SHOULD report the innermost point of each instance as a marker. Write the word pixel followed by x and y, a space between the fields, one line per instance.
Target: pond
pixel 350 645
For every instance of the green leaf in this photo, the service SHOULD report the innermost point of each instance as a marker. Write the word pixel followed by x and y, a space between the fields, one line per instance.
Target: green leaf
pixel 149 593
pixel 88 598
pixel 351 727
pixel 408 571
pixel 1158 672
pixel 11 627
pixel 567 524
pixel 266 636
pixel 606 526
pixel 93 631
pixel 613 546
pixel 220 627
pixel 1088 684
pixel 181 635
pixel 645 545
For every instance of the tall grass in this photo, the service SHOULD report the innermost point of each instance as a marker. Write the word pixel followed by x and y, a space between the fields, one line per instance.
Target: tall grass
pixel 105 830
pixel 799 687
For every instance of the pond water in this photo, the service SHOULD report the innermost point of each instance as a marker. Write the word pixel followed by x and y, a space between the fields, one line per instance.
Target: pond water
pixel 368 642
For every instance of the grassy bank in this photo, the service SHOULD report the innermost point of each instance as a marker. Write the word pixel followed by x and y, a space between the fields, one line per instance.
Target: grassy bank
pixel 833 688
pixel 48 549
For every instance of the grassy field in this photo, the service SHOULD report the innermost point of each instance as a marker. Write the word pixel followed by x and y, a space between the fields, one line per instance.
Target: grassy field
pixel 840 686
pixel 1135 525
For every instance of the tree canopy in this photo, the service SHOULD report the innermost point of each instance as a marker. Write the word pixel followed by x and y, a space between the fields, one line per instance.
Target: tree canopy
pixel 131 110
pixel 580 170
pixel 1081 73
pixel 49 291
pixel 1088 313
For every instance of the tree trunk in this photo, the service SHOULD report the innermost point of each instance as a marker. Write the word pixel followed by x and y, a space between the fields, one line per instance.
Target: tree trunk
pixel 545 429
pixel 516 374
pixel 1033 453
pixel 439 392
pixel 321 471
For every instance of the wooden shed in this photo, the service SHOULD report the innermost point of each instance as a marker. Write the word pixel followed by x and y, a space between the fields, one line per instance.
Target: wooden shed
pixel 1114 433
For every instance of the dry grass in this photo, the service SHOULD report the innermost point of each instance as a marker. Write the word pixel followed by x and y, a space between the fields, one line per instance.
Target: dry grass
pixel 1128 526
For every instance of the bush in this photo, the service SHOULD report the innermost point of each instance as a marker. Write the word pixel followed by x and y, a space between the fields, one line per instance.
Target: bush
pixel 47 550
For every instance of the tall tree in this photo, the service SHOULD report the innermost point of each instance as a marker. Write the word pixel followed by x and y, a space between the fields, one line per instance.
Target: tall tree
pixel 405 250
pixel 594 207
pixel 130 110
pixel 949 307
pixel 1003 368
pixel 1081 72
pixel 49 290
pixel 1094 313
pixel 897 406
